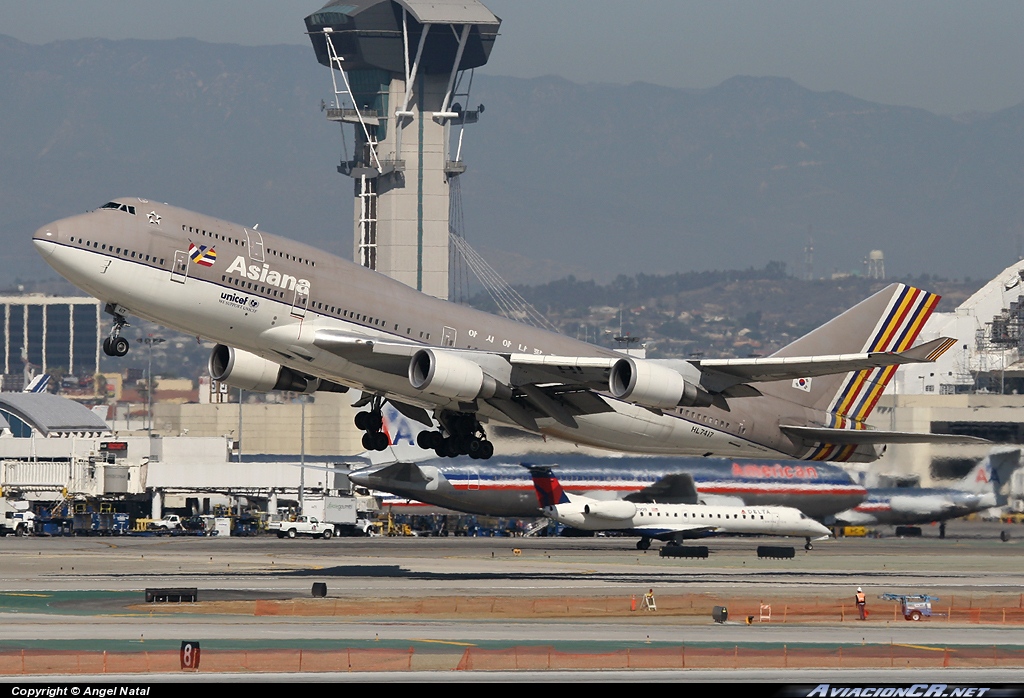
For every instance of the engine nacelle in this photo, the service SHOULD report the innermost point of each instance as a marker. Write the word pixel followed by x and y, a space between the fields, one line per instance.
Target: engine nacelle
pixel 240 369
pixel 652 385
pixel 449 375
pixel 616 509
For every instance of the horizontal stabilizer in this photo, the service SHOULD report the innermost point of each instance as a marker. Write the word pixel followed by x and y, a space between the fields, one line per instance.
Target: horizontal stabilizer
pixel 781 368
pixel 875 436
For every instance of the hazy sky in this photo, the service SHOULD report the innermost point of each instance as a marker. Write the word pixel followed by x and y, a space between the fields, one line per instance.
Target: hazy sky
pixel 943 55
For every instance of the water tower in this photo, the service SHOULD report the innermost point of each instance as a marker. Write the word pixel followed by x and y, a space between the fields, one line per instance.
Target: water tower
pixel 402 71
pixel 876 264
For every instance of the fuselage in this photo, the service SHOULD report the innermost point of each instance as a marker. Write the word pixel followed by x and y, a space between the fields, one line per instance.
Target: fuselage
pixel 687 520
pixel 912 506
pixel 270 295
pixel 502 487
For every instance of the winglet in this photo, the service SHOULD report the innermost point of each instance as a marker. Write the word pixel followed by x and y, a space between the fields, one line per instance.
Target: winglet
pixel 929 351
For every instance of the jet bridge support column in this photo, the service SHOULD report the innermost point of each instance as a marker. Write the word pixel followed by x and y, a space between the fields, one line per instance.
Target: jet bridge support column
pixel 157 505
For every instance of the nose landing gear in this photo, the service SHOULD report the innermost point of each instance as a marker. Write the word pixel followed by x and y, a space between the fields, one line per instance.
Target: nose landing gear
pixel 115 344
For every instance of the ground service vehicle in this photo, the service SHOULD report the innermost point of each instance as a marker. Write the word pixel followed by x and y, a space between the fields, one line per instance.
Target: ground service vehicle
pixel 303 526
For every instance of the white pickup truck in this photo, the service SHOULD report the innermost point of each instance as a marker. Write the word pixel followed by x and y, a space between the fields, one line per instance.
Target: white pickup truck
pixel 170 522
pixel 303 526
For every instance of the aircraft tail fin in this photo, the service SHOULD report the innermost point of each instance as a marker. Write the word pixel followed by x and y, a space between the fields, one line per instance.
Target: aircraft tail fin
pixel 38 384
pixel 888 321
pixel 549 490
pixel 992 473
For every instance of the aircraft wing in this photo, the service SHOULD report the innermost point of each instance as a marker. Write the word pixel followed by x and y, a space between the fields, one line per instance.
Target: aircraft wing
pixel 720 374
pixel 814 435
pixel 560 387
pixel 662 532
pixel 526 387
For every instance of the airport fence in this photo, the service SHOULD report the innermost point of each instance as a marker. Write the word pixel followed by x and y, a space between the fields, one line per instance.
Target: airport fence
pixel 1000 610
pixel 532 658
pixel 71 662
pixel 520 658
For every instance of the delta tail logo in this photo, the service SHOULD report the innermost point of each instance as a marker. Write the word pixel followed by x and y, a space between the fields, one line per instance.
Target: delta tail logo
pixel 202 255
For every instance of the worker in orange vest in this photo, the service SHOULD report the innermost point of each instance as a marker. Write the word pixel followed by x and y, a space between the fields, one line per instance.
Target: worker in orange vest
pixel 861 603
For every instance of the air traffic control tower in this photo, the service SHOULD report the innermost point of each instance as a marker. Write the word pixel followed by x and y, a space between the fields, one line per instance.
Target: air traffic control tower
pixel 400 70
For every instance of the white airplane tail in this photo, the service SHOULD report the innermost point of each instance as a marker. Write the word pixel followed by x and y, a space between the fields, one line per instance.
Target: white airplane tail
pixel 38 384
pixel 992 473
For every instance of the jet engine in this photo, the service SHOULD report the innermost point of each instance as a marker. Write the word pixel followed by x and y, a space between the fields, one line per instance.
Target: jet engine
pixel 240 369
pixel 616 509
pixel 651 385
pixel 449 375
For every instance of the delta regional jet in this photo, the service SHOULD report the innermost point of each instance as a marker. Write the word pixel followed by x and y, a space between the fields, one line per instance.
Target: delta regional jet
pixel 669 522
pixel 286 316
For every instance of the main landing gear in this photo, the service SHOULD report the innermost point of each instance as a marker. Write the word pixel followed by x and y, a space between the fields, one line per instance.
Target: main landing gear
pixel 465 437
pixel 371 422
pixel 115 344
pixel 643 544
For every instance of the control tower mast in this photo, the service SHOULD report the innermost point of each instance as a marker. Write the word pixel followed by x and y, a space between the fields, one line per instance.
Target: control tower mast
pixel 397 66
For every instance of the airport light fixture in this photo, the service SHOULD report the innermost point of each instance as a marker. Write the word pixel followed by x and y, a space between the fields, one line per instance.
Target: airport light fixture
pixel 149 341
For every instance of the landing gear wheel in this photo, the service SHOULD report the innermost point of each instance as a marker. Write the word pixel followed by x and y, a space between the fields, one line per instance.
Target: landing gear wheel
pixel 450 448
pixel 643 544
pixel 115 344
pixel 369 442
pixel 807 545
pixel 360 420
pixel 380 441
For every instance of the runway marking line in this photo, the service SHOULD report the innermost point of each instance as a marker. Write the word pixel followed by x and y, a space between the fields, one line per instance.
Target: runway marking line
pixel 36 596
pixel 444 642
pixel 921 647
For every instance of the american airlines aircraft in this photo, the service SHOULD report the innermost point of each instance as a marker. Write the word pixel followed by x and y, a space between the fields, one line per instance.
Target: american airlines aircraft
pixel 287 316
pixel 671 522
pixel 980 489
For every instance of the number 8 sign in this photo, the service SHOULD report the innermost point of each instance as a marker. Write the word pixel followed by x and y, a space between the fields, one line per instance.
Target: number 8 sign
pixel 190 655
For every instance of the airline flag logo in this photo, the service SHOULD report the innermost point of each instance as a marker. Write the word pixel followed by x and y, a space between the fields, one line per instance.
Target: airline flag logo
pixel 202 255
pixel 803 384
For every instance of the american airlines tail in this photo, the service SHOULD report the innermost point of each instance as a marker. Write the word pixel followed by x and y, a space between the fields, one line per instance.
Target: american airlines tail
pixel 549 490
pixel 992 473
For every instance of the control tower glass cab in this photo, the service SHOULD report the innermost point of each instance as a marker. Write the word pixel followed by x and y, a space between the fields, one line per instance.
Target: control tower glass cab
pixel 399 69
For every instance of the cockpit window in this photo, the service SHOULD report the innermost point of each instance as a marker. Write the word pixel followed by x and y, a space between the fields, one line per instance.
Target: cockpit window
pixel 119 207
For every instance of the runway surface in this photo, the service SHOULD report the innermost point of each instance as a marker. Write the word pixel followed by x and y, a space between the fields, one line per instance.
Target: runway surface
pixel 78 593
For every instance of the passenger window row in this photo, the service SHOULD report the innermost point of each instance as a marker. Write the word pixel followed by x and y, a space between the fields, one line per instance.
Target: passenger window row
pixel 124 252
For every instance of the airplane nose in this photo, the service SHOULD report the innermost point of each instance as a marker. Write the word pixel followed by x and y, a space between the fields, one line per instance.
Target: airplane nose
pixel 361 478
pixel 44 239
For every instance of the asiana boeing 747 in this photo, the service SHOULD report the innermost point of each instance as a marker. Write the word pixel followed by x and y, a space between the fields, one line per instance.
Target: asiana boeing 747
pixel 286 316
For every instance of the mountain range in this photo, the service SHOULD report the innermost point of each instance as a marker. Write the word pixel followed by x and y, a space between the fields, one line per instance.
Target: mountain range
pixel 595 179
